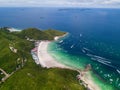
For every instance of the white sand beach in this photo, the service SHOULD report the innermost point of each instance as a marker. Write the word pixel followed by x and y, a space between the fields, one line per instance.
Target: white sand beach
pixel 45 59
pixel 14 30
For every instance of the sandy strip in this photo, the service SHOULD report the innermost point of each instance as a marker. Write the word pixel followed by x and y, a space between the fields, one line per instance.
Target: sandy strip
pixel 45 59
pixel 14 30
pixel 88 80
pixel 58 37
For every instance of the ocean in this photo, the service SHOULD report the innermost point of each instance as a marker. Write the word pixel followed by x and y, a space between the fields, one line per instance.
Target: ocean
pixel 94 38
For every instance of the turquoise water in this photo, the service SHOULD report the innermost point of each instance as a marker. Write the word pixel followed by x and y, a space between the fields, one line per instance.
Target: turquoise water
pixel 94 37
pixel 80 61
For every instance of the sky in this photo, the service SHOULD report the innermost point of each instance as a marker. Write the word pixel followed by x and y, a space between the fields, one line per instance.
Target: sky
pixel 60 3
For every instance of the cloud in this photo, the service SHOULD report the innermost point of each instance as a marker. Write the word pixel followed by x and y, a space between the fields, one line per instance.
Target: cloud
pixel 69 3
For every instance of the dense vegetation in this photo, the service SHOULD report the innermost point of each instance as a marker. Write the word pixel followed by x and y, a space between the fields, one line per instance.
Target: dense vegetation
pixel 36 34
pixel 30 76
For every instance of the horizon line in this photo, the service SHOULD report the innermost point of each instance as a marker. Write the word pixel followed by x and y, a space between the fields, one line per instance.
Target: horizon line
pixel 57 7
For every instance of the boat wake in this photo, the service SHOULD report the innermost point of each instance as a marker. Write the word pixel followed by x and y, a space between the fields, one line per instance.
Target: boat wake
pixel 118 71
pixel 99 59
pixel 72 46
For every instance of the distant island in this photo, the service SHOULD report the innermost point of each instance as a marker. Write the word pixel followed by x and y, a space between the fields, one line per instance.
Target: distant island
pixel 19 71
pixel 74 9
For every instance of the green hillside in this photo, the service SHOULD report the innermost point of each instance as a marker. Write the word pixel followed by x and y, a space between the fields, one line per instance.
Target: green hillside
pixel 36 34
pixel 54 32
pixel 26 74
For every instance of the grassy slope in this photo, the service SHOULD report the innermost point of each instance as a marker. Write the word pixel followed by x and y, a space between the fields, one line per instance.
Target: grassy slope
pixel 31 76
pixel 7 57
pixel 54 32
pixel 37 78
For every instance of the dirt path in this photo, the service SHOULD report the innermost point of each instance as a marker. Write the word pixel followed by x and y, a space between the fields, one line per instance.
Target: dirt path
pixel 4 72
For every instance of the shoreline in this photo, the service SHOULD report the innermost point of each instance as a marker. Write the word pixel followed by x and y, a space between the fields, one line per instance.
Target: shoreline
pixel 58 37
pixel 47 61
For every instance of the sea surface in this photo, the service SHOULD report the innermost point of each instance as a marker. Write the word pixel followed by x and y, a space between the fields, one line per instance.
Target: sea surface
pixel 94 38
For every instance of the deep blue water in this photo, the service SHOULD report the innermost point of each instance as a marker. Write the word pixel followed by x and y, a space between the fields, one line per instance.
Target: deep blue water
pixel 94 34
